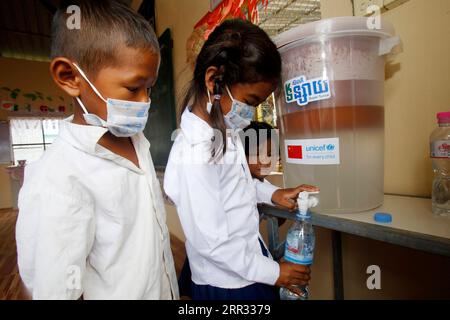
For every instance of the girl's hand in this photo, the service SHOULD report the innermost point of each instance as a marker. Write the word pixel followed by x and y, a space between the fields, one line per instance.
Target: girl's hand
pixel 293 275
pixel 287 198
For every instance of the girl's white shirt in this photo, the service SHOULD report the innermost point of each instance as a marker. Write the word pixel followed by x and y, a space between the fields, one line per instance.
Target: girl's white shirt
pixel 216 200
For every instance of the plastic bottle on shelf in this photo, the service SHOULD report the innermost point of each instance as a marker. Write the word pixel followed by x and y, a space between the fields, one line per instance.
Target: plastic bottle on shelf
pixel 440 157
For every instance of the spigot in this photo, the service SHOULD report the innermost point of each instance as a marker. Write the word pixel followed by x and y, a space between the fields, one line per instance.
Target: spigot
pixel 306 201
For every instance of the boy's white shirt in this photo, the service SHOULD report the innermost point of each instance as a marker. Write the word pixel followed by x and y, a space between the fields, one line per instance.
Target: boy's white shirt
pixel 217 206
pixel 91 222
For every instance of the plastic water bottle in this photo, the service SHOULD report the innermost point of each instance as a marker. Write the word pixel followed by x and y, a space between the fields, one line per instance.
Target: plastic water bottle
pixel 300 242
pixel 440 157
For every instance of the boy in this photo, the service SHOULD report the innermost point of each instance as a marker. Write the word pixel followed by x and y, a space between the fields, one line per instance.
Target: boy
pixel 258 148
pixel 92 219
pixel 260 141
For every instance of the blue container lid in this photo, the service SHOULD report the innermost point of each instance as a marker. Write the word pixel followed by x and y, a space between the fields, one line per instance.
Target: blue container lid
pixel 383 217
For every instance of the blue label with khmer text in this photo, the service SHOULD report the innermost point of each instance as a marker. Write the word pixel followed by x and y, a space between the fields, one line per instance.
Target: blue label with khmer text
pixel 305 91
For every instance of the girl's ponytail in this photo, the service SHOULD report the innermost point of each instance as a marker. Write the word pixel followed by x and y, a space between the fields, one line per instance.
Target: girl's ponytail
pixel 216 114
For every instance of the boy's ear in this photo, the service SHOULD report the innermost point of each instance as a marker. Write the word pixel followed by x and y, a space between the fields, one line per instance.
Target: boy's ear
pixel 210 76
pixel 65 75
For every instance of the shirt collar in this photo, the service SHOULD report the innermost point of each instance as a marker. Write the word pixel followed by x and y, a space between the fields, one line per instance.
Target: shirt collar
pixel 195 129
pixel 82 137
pixel 85 138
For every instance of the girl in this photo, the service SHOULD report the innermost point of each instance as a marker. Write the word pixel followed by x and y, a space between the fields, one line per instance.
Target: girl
pixel 207 176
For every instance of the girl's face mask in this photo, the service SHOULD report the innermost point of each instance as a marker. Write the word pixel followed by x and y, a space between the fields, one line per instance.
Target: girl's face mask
pixel 240 115
pixel 124 118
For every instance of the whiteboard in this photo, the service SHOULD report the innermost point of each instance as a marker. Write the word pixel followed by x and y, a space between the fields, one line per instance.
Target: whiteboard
pixel 5 143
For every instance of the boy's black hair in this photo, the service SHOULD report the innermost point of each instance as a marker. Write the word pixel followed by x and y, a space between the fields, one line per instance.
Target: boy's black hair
pixel 105 26
pixel 264 132
pixel 243 53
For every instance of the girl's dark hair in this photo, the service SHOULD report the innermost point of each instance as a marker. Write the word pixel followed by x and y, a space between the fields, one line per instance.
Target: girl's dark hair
pixel 243 53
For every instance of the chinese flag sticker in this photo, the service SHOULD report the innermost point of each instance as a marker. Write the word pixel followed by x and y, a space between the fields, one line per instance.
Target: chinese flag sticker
pixel 295 152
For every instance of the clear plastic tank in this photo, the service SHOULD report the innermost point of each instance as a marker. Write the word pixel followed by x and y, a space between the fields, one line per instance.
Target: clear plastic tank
pixel 331 110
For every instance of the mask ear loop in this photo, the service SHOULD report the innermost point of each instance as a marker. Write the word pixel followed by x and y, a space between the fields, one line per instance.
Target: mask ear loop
pixel 93 88
pixel 229 93
pixel 90 84
pixel 209 104
pixel 82 105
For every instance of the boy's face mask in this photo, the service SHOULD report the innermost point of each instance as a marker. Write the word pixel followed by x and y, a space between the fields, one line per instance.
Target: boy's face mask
pixel 240 115
pixel 124 118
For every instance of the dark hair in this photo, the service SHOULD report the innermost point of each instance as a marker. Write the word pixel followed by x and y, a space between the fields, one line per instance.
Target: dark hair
pixel 243 53
pixel 105 25
pixel 264 132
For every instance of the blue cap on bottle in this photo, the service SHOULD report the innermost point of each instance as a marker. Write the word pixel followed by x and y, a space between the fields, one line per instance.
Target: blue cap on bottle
pixel 383 217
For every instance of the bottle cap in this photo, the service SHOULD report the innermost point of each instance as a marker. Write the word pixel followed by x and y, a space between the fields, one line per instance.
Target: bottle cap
pixel 383 217
pixel 443 117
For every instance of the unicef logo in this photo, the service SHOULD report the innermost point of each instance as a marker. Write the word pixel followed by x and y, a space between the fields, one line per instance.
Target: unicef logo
pixel 330 147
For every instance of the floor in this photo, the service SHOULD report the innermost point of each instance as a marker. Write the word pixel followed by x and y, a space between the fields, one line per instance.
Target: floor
pixel 11 287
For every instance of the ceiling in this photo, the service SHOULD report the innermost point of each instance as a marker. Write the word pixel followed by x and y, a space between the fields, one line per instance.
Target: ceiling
pixel 25 28
pixel 25 25
pixel 282 15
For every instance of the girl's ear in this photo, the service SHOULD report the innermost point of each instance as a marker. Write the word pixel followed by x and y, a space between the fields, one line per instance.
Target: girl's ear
pixel 65 76
pixel 210 77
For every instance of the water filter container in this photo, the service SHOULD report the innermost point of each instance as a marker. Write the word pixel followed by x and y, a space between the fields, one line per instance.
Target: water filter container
pixel 331 110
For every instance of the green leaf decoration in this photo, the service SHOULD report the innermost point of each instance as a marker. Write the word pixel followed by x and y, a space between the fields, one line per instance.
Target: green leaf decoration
pixel 49 98
pixel 31 96
pixel 40 95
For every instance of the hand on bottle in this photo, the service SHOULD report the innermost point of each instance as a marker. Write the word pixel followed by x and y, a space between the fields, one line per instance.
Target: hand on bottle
pixel 293 275
pixel 287 198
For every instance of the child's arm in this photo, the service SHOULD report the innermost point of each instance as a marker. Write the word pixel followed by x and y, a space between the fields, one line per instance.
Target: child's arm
pixel 55 233
pixel 287 198
pixel 264 191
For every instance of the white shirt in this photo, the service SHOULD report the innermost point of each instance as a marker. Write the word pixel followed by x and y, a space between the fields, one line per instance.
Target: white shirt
pixel 216 201
pixel 91 222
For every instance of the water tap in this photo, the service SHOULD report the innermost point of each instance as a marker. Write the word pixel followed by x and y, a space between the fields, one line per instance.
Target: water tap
pixel 306 201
